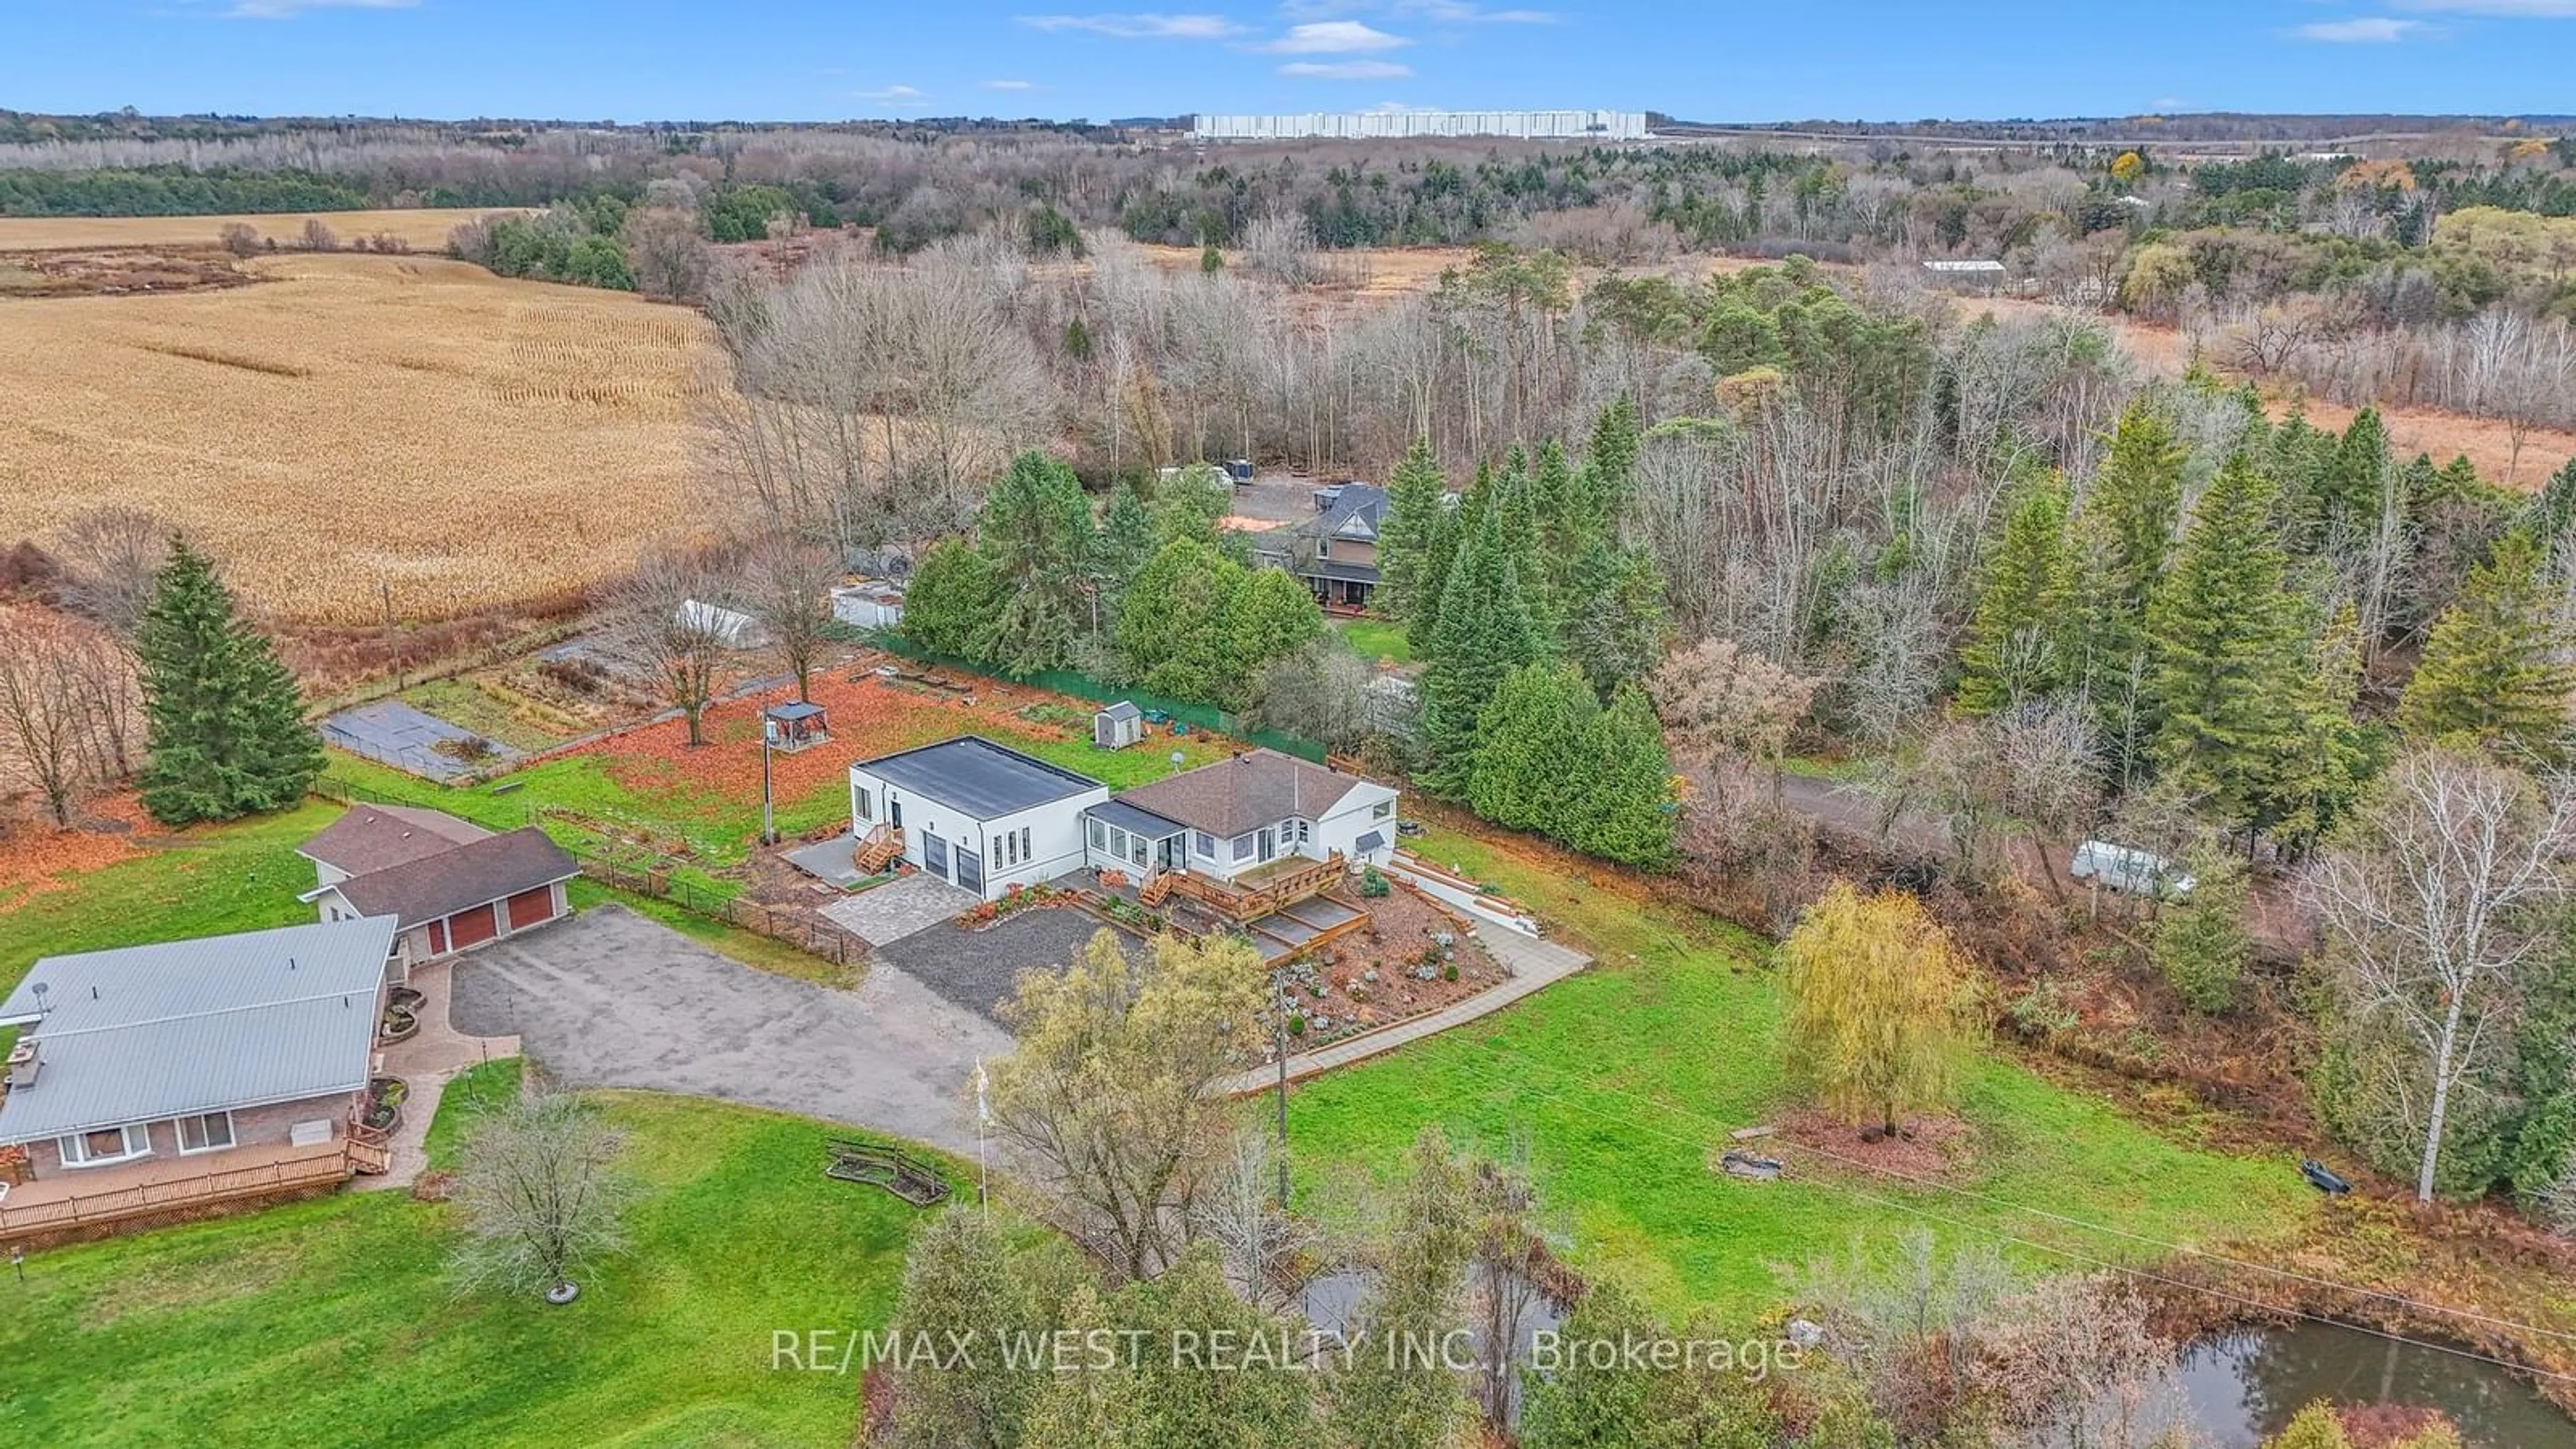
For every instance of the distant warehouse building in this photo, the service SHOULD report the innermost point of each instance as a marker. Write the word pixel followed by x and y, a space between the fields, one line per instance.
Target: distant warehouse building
pixel 1400 125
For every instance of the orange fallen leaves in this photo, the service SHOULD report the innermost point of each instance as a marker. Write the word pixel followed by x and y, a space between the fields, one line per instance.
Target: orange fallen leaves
pixel 37 857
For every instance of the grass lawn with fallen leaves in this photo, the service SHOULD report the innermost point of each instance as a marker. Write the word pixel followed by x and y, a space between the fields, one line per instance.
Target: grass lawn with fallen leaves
pixel 334 1322
pixel 1627 1079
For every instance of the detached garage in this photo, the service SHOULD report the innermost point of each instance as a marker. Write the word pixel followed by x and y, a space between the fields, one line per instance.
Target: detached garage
pixel 460 897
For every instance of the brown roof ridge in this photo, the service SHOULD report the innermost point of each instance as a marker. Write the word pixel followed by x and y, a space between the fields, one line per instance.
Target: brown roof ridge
pixel 473 874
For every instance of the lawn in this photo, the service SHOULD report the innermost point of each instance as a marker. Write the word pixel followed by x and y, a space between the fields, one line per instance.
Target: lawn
pixel 332 1322
pixel 1626 1079
pixel 1375 639
pixel 212 879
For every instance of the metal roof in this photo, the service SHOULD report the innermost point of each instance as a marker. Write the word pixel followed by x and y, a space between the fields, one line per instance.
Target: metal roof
pixel 973 774
pixel 793 712
pixel 1124 709
pixel 1371 841
pixel 1127 817
pixel 181 1027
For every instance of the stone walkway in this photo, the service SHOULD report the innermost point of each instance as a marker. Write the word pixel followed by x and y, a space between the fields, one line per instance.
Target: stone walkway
pixel 427 1062
pixel 886 914
pixel 1533 964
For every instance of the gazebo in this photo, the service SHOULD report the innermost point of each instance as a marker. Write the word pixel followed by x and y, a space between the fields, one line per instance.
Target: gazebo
pixel 791 727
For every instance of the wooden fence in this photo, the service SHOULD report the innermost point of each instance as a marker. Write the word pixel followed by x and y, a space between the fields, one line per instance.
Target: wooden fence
pixel 793 928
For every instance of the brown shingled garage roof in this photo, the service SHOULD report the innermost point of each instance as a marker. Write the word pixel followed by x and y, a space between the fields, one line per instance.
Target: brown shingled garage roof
pixel 461 878
pixel 376 837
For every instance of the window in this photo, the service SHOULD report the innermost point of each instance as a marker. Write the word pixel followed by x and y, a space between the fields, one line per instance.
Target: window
pixel 210 1133
pixel 1117 842
pixel 1381 810
pixel 1243 847
pixel 1024 842
pixel 1099 834
pixel 1136 848
pixel 1323 548
pixel 1298 828
pixel 1205 843
pixel 863 807
pixel 106 1145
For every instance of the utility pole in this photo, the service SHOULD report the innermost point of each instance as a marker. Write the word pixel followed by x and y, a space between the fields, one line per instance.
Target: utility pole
pixel 1279 1028
pixel 393 645
pixel 768 821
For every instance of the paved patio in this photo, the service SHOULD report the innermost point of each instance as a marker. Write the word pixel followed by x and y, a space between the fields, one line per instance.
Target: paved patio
pixel 427 1062
pixel 899 908
pixel 833 861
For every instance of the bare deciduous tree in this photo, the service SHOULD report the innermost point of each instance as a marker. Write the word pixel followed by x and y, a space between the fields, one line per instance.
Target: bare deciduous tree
pixel 113 556
pixel 2433 903
pixel 44 726
pixel 1727 710
pixel 543 1197
pixel 786 582
pixel 669 630
pixel 2072 1362
pixel 1266 1249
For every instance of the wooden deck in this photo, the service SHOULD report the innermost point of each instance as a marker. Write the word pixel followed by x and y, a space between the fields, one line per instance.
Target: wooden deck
pixel 1275 886
pixel 72 1201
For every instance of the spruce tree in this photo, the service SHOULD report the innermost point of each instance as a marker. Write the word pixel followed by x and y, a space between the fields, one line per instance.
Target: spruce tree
pixel 2552 515
pixel 1449 529
pixel 224 719
pixel 2201 943
pixel 1485 632
pixel 2137 500
pixel 1616 624
pixel 1404 543
pixel 1610 462
pixel 1626 810
pixel 2343 497
pixel 2016 637
pixel 2119 547
pixel 2228 656
pixel 1036 532
pixel 2327 758
pixel 1530 771
pixel 2494 666
pixel 1125 542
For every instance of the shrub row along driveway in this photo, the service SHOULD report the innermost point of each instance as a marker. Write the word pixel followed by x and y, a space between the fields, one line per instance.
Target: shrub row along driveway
pixel 609 999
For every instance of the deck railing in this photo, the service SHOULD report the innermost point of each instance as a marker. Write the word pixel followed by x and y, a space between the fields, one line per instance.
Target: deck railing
pixel 1286 889
pixel 205 1189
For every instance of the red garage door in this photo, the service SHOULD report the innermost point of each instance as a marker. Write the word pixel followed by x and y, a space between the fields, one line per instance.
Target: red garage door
pixel 466 928
pixel 529 908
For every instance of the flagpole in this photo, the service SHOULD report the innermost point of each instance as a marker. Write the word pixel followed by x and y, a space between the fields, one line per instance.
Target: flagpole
pixel 983 1115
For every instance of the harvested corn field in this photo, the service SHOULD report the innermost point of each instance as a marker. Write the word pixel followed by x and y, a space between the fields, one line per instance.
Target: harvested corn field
pixel 420 228
pixel 353 423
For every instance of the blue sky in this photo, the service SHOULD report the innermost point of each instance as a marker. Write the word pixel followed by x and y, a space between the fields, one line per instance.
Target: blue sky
pixel 1713 59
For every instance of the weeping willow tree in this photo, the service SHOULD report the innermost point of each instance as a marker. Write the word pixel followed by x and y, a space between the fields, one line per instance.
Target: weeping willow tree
pixel 1879 1022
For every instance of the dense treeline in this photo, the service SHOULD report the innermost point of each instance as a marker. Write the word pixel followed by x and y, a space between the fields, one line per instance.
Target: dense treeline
pixel 173 191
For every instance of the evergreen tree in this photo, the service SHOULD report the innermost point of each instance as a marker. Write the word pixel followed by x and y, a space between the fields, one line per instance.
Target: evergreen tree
pixel 952 604
pixel 2201 942
pixel 2328 756
pixel 2137 500
pixel 224 719
pixel 1616 626
pixel 2015 638
pixel 1449 528
pixel 1176 625
pixel 1485 632
pixel 2495 667
pixel 1610 464
pixel 1036 533
pixel 1559 524
pixel 1126 541
pixel 2343 498
pixel 2552 515
pixel 2228 657
pixel 1270 615
pixel 1404 543
pixel 1626 812
pixel 1531 769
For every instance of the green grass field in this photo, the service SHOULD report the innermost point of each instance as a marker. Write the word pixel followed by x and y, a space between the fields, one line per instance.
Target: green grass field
pixel 1375 639
pixel 333 1322
pixel 1626 1079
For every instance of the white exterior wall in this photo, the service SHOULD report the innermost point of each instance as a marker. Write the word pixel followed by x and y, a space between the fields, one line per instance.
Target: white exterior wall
pixel 1399 125
pixel 1356 815
pixel 1055 831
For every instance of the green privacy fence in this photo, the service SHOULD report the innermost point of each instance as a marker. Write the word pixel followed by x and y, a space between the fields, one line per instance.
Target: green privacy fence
pixel 1083 686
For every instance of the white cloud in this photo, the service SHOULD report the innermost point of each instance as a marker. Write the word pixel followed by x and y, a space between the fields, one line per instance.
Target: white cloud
pixel 289 9
pixel 1140 27
pixel 1345 70
pixel 2503 9
pixel 1451 12
pixel 2365 30
pixel 1334 37
pixel 1010 85
pixel 2169 103
pixel 893 98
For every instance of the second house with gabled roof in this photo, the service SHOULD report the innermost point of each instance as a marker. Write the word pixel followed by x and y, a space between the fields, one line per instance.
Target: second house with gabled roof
pixel 448 883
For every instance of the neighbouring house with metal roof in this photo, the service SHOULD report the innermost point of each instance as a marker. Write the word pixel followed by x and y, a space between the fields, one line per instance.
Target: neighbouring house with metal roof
pixel 1334 552
pixel 183 1074
pixel 446 883
pixel 974 813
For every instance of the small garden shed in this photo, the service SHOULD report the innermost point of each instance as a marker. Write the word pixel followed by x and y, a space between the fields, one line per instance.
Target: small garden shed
pixel 1117 726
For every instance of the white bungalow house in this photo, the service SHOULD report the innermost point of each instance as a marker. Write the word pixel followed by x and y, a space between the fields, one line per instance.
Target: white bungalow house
pixel 1230 820
pixel 973 813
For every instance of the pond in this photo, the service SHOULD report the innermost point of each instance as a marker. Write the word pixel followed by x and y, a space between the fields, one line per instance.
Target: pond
pixel 2245 1385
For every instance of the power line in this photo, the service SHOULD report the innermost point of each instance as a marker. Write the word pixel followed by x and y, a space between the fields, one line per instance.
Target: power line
pixel 2065 1220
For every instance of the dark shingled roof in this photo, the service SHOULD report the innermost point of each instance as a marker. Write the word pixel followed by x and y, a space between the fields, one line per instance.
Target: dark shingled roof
pixel 973 774
pixel 467 876
pixel 1127 817
pixel 373 837
pixel 1253 789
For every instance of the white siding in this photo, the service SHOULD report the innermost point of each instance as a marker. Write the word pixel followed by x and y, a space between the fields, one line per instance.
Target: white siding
pixel 1055 831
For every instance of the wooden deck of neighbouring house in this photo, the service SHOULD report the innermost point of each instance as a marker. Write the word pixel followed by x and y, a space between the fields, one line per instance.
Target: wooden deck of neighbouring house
pixel 103 1200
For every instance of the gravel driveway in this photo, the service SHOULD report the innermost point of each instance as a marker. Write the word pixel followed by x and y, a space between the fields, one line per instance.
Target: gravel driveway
pixel 609 999
pixel 977 969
